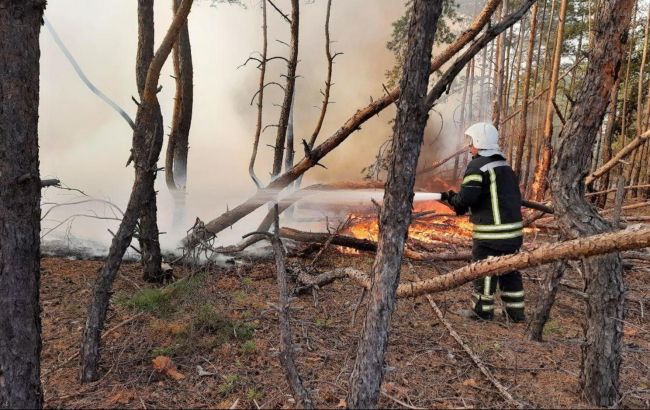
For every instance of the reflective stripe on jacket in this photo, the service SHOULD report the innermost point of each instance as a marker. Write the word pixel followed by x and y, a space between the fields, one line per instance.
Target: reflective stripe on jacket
pixel 490 191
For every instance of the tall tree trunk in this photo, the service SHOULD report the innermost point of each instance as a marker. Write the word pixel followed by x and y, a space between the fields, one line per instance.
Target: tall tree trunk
pixel 518 56
pixel 470 107
pixel 461 124
pixel 147 143
pixel 606 152
pixel 178 143
pixel 626 86
pixel 541 171
pixel 288 90
pixel 260 100
pixel 497 100
pixel 601 353
pixel 523 130
pixel 20 212
pixel 534 132
pixel 634 168
pixel 395 217
pixel 148 226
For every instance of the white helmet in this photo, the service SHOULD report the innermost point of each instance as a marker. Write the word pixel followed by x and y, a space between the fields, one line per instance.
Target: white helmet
pixel 484 136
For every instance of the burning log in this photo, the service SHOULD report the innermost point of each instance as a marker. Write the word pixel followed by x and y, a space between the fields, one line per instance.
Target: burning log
pixel 568 250
pixel 367 245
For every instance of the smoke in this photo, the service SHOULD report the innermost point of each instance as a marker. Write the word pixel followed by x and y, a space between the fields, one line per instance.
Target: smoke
pixel 85 144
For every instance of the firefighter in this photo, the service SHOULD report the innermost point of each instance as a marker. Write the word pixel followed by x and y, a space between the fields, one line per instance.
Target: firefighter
pixel 490 192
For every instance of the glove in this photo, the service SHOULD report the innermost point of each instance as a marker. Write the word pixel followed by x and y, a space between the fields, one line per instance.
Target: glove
pixel 447 196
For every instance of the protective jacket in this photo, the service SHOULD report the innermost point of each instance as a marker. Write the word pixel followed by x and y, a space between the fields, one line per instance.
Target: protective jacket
pixel 491 192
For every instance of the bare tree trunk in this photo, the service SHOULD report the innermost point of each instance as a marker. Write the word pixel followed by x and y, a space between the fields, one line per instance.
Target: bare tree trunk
pixel 395 217
pixel 499 73
pixel 518 56
pixel 601 356
pixel 147 143
pixel 260 99
pixel 541 171
pixel 288 90
pixel 534 133
pixel 178 142
pixel 20 212
pixel 148 227
pixel 633 172
pixel 546 301
pixel 523 130
pixel 626 87
pixel 606 152
pixel 461 125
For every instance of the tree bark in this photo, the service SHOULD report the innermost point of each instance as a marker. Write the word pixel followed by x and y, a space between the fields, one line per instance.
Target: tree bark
pixel 634 169
pixel 603 274
pixel 20 214
pixel 541 171
pixel 151 256
pixel 395 217
pixel 606 151
pixel 288 90
pixel 178 142
pixel 498 72
pixel 546 300
pixel 521 134
pixel 147 143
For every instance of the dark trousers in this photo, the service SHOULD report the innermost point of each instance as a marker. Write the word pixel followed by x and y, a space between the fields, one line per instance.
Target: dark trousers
pixel 509 284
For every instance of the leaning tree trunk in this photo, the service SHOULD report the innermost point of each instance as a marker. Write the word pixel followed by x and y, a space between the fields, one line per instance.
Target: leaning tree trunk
pixel 148 235
pixel 395 217
pixel 178 143
pixel 20 214
pixel 147 143
pixel 601 353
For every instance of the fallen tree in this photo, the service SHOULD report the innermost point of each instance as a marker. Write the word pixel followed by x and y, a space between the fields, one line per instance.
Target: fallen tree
pixel 366 245
pixel 568 250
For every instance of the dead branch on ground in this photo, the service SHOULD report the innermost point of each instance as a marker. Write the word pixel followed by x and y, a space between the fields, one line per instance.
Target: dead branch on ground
pixel 477 360
pixel 568 250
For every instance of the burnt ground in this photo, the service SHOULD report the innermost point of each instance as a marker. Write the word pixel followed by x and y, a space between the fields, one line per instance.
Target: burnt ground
pixel 224 322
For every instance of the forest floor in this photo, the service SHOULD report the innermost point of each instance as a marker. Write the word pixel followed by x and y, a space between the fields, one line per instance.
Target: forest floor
pixel 220 330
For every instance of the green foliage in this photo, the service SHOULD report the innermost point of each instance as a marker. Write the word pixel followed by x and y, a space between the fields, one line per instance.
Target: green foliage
pixel 150 300
pixel 162 351
pixel 249 347
pixel 208 320
pixel 398 42
pixel 229 383
pixel 551 327
pixel 253 395
pixel 163 301
pixel 323 323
